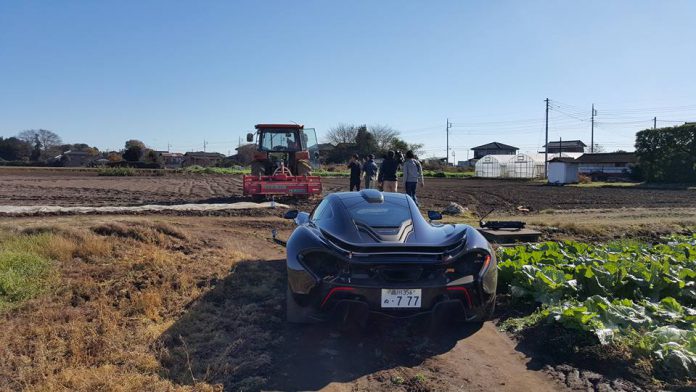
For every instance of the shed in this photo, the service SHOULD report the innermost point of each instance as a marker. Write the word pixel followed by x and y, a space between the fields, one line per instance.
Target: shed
pixel 563 171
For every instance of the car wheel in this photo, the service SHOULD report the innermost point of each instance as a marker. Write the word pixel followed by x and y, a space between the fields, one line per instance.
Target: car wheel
pixel 295 313
pixel 486 313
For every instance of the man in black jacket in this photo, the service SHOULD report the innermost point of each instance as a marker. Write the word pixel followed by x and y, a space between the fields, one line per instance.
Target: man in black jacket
pixel 387 173
pixel 355 171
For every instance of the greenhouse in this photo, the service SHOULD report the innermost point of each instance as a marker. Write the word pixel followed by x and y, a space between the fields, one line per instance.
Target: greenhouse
pixel 515 166
pixel 492 166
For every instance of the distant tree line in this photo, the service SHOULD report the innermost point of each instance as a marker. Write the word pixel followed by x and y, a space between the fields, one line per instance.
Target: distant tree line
pixel 349 139
pixel 667 154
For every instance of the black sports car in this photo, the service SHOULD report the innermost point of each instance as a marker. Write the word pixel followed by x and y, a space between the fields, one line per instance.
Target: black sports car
pixel 371 252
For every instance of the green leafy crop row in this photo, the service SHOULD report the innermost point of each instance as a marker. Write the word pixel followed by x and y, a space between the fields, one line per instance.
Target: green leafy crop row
pixel 614 291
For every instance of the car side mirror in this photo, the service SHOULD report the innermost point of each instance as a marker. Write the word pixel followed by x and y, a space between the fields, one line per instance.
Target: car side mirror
pixel 250 137
pixel 292 214
pixel 302 218
pixel 434 215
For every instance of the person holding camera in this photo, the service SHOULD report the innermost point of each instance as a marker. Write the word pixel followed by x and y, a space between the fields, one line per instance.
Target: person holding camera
pixel 387 173
pixel 413 174
pixel 355 170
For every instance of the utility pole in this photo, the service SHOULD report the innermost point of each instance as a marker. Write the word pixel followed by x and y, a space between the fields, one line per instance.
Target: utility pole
pixel 655 122
pixel 560 147
pixel 205 144
pixel 169 146
pixel 592 136
pixel 454 157
pixel 546 148
pixel 447 128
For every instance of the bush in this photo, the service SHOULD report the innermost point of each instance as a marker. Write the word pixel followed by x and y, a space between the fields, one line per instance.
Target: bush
pixel 116 171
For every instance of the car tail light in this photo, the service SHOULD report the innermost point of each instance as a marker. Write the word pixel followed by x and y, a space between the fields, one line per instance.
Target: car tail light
pixel 322 264
pixel 468 264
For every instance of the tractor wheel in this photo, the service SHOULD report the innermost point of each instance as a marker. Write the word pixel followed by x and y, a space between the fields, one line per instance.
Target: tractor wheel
pixel 258 168
pixel 304 168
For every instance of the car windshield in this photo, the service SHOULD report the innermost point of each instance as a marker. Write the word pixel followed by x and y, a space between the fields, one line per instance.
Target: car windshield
pixel 380 215
pixel 279 140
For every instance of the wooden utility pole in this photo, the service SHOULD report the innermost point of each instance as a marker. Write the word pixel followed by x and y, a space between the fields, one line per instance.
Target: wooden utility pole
pixel 655 122
pixel 546 148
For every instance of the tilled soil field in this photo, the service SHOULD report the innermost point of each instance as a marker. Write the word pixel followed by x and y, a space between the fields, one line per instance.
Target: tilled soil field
pixel 73 188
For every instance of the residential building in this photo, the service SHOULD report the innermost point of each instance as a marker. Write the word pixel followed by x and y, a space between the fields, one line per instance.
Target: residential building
pixel 493 148
pixel 612 164
pixel 75 158
pixel 172 160
pixel 565 146
pixel 202 158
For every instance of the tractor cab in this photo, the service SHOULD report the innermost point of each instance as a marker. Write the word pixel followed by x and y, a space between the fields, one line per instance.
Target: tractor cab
pixel 288 148
pixel 283 161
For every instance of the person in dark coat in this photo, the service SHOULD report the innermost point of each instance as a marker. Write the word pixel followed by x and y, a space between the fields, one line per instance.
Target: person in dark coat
pixel 387 173
pixel 355 171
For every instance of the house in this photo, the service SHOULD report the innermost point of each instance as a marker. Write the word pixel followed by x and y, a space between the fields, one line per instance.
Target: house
pixel 612 164
pixel 202 158
pixel 325 147
pixel 75 158
pixel 172 160
pixel 493 148
pixel 565 146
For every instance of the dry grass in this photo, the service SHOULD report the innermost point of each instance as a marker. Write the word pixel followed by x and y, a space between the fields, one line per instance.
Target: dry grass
pixel 117 288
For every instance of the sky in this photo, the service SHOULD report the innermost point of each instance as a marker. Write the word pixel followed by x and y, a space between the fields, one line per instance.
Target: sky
pixel 177 73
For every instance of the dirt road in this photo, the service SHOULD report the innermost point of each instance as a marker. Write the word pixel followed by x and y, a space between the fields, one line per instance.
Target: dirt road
pixel 388 355
pixel 232 332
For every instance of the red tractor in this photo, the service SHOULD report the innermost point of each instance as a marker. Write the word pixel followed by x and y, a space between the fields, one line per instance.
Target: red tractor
pixel 283 162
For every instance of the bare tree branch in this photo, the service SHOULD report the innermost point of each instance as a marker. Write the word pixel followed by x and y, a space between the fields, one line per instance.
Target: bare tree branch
pixel 342 133
pixel 384 134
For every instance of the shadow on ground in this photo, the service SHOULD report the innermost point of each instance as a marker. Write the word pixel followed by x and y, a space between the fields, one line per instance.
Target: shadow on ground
pixel 236 335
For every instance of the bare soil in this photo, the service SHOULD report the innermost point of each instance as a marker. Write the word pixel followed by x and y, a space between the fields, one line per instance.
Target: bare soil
pixel 86 188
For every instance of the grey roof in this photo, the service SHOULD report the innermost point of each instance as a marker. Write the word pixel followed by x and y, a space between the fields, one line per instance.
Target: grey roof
pixel 608 157
pixel 495 146
pixel 567 143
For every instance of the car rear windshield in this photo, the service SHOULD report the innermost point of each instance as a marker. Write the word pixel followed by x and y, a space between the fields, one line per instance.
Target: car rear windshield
pixel 380 214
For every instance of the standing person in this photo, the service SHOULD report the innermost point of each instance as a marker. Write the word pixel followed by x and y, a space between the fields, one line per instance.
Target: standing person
pixel 355 170
pixel 413 174
pixel 387 173
pixel 370 170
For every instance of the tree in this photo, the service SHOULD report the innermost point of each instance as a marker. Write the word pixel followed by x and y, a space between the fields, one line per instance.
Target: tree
pixel 384 135
pixel 365 141
pixel 114 157
pixel 36 152
pixel 135 143
pixel 342 133
pixel 133 153
pixel 667 154
pixel 47 140
pixel 14 149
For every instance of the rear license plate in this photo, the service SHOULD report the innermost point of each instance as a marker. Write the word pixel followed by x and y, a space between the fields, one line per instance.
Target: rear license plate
pixel 401 298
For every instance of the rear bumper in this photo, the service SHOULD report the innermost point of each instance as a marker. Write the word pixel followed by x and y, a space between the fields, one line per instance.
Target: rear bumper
pixel 464 302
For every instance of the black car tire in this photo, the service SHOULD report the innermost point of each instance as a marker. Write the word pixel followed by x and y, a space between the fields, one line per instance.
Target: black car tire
pixel 486 314
pixel 295 313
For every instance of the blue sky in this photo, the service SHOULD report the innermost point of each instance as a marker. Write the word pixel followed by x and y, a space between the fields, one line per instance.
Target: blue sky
pixel 178 73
